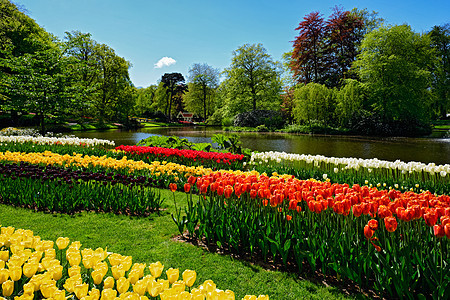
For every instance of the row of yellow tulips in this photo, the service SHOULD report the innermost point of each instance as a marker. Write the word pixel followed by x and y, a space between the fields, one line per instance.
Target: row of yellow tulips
pixel 155 168
pixel 29 267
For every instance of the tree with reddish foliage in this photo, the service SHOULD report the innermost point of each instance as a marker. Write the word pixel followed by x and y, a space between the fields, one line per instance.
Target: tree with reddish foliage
pixel 307 60
pixel 343 39
pixel 324 50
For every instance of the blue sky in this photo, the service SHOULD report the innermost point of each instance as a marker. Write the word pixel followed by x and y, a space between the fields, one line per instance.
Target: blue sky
pixel 182 33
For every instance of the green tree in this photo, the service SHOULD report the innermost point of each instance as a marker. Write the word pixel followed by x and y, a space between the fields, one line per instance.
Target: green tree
pixel 350 99
pixel 174 84
pixel 440 37
pixel 145 98
pixel 253 80
pixel 314 103
pixel 394 64
pixel 112 79
pixel 202 84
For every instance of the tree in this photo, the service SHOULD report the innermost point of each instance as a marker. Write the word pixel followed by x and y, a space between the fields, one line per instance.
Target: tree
pixel 394 64
pixel 112 79
pixel 174 83
pixel 308 56
pixel 314 103
pixel 145 98
pixel 440 38
pixel 40 84
pixel 253 80
pixel 343 28
pixel 202 82
pixel 350 99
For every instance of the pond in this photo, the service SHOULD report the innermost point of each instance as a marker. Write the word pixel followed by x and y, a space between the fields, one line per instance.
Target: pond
pixel 425 150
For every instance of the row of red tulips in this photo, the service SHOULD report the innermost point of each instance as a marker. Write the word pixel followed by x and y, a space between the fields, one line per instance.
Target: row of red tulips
pixel 186 156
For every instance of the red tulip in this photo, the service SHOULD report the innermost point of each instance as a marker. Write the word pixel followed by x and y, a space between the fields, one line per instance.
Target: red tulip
pixel 373 224
pixel 368 233
pixel 430 217
pixel 187 187
pixel 173 187
pixel 439 230
pixel 228 191
pixel 390 223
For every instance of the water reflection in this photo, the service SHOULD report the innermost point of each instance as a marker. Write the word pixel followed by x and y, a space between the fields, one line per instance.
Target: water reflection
pixel 405 149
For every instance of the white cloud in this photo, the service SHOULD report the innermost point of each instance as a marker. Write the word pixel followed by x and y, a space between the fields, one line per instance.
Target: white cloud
pixel 165 62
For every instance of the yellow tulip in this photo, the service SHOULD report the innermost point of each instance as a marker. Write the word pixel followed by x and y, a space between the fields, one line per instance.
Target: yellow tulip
pixel 209 285
pixel 133 276
pixel 140 287
pixel 126 262
pixel 7 231
pixel 189 277
pixel 7 287
pixel 51 253
pixel 56 272
pixel 95 293
pixel 229 295
pixel 118 271
pixel 122 285
pixel 48 288
pixel 47 245
pixel 156 289
pixel 59 295
pixel 4 275
pixel 15 273
pixel 62 242
pixel 30 268
pixel 108 283
pixel 165 283
pixel 172 275
pixel 115 259
pixel 2 264
pixel 74 270
pixel 28 288
pixel 4 255
pixel 71 282
pixel 81 290
pixel 263 297
pixel 156 269
pixel 74 257
pixel 179 286
pixel 97 276
pixel 108 294
pixel 249 297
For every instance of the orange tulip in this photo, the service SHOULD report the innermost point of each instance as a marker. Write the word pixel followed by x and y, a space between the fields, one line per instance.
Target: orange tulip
pixel 368 233
pixel 390 223
pixel 373 224
pixel 187 187
pixel 173 187
pixel 439 230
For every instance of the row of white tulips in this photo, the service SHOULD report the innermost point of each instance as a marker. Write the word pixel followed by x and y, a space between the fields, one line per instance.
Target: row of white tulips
pixel 345 163
pixel 53 140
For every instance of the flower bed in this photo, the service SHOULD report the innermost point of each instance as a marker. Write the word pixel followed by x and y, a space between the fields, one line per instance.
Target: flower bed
pixel 215 160
pixel 55 141
pixel 32 268
pixel 332 227
pixel 433 177
pixel 67 191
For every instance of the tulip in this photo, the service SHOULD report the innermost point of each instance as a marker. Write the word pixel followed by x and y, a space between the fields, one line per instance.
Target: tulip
pixel 108 283
pixel 189 277
pixel 15 273
pixel 50 253
pixel 209 286
pixel 74 270
pixel 172 275
pixel 390 223
pixel 178 286
pixel 122 285
pixel 97 276
pixel 4 255
pixel 29 269
pixel 81 290
pixel 48 288
pixel 118 271
pixel 156 269
pixel 368 232
pixel 187 187
pixel 373 224
pixel 140 287
pixel 62 242
pixel 56 272
pixel 439 230
pixel 7 288
pixel 156 289
pixel 173 187
pixel 28 288
pixel 108 294
pixel 59 295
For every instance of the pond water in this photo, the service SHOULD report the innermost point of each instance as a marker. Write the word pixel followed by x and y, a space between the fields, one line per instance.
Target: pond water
pixel 425 150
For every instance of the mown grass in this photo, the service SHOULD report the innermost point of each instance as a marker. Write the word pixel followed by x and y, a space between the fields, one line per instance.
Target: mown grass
pixel 150 239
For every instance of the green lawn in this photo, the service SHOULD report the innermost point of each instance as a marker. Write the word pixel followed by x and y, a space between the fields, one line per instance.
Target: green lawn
pixel 148 239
